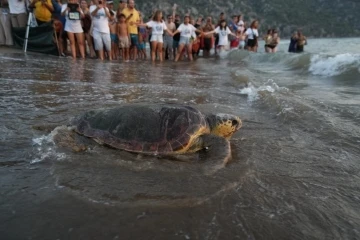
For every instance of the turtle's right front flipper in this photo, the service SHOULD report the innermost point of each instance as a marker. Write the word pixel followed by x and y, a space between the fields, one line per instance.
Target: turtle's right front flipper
pixel 216 152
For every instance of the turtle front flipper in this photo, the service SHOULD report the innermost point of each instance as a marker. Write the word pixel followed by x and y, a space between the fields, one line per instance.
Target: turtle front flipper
pixel 216 152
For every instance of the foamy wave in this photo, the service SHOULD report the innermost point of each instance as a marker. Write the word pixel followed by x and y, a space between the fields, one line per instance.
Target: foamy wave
pixel 335 65
pixel 253 92
pixel 44 149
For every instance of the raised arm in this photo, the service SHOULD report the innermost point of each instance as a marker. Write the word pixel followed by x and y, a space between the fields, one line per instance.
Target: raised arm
pixel 174 11
pixel 98 7
pixel 48 5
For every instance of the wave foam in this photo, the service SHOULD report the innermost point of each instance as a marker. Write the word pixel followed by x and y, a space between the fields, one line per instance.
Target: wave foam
pixel 44 149
pixel 335 65
pixel 253 92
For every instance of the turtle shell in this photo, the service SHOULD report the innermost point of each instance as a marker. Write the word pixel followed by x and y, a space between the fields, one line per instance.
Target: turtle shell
pixel 145 128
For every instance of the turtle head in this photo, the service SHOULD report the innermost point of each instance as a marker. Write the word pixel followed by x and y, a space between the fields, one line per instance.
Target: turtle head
pixel 224 125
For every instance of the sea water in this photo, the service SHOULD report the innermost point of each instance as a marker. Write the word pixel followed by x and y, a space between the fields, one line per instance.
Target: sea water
pixel 294 172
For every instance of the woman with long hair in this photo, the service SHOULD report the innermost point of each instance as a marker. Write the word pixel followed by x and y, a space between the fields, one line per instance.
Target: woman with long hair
pixel 223 31
pixel 275 40
pixel 252 35
pixel 268 40
pixel 187 36
pixel 301 42
pixel 73 15
pixel 158 27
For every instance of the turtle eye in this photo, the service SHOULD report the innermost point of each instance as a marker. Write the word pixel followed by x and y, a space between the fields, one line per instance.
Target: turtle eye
pixel 206 149
pixel 234 123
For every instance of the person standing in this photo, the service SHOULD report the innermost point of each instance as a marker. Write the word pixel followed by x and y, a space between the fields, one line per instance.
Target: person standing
pixel 42 10
pixel 187 35
pixel 221 17
pixel 176 37
pixel 73 26
pixel 101 30
pixel 121 7
pixel 252 35
pixel 18 13
pixel 5 24
pixel 158 27
pixel 86 25
pixel 132 21
pixel 293 42
pixel 168 39
pixel 275 40
pixel 301 42
pixel 223 31
pixel 208 39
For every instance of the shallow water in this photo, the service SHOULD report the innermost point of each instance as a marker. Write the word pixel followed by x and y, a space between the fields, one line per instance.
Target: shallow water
pixel 294 172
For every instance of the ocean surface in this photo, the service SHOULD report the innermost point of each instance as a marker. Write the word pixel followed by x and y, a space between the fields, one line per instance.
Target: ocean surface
pixel 294 172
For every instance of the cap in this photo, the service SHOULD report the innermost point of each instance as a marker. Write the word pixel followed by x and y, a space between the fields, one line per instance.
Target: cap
pixel 109 2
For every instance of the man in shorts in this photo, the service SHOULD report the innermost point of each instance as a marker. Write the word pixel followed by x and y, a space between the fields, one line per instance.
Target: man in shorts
pixel 101 31
pixel 132 19
pixel 168 40
pixel 176 38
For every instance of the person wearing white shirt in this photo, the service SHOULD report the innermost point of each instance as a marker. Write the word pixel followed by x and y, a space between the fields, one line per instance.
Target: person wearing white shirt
pixel 187 36
pixel 73 26
pixel 241 24
pixel 223 32
pixel 101 30
pixel 252 36
pixel 158 27
pixel 18 13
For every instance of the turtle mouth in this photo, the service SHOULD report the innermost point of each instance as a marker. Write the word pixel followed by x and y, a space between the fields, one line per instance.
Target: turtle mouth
pixel 236 124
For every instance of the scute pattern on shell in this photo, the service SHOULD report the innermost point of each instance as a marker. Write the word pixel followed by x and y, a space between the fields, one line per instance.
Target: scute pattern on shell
pixel 145 128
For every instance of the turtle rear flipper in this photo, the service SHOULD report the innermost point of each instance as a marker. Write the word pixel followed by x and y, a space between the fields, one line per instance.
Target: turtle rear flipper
pixel 216 152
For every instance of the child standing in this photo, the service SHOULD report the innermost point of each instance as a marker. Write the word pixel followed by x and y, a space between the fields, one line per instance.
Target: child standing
pixel 241 35
pixel 113 37
pixel 141 46
pixel 123 37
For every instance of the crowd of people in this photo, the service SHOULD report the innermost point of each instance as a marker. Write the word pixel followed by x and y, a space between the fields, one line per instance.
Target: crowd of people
pixel 95 29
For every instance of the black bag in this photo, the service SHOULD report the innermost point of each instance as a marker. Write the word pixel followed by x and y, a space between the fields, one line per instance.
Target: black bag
pixel 255 37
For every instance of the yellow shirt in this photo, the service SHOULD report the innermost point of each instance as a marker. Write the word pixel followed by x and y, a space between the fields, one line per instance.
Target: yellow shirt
pixel 41 12
pixel 135 18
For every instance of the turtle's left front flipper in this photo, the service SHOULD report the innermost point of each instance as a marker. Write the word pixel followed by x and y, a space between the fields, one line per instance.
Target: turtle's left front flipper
pixel 216 152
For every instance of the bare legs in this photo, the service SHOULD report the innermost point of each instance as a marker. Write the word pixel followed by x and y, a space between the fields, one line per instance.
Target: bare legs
pixel 180 49
pixel 80 42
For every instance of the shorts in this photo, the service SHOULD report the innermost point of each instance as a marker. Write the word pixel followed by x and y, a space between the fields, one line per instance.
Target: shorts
pixel 234 43
pixel 242 44
pixel 141 46
pixel 157 38
pixel 114 38
pixel 175 44
pixel 101 39
pixel 134 38
pixel 124 42
pixel 184 40
pixel 251 43
pixel 207 44
pixel 168 42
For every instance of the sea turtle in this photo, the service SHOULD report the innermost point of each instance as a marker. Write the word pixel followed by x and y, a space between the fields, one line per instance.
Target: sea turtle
pixel 154 129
